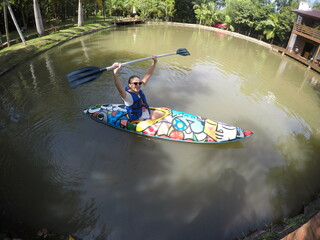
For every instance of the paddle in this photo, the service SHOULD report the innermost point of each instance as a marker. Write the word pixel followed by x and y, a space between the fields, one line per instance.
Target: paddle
pixel 88 74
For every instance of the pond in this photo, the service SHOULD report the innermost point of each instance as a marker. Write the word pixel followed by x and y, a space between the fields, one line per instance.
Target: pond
pixel 65 172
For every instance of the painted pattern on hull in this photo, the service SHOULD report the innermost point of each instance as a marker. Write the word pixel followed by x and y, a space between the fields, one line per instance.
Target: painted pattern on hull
pixel 174 125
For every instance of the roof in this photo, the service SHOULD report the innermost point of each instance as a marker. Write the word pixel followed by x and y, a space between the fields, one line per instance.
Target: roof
pixel 308 13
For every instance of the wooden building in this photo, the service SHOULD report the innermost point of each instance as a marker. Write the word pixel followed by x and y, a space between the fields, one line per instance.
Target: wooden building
pixel 304 42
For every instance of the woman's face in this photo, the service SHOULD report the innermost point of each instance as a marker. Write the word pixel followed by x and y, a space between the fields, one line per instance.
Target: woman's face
pixel 135 84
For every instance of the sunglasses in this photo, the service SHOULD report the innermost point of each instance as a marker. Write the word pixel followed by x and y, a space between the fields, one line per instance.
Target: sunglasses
pixel 137 83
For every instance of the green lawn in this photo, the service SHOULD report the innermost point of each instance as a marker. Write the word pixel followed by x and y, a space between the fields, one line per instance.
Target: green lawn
pixel 17 53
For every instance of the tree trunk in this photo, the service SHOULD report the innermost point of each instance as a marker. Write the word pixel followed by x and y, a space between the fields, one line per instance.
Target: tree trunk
pixel 65 15
pixel 5 13
pixel 103 11
pixel 38 18
pixel 16 23
pixel 23 16
pixel 80 14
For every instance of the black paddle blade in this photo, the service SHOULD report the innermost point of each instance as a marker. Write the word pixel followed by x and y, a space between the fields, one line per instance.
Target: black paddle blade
pixel 83 75
pixel 183 52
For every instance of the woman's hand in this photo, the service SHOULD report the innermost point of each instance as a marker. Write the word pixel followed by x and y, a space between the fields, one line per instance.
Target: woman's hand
pixel 154 58
pixel 117 67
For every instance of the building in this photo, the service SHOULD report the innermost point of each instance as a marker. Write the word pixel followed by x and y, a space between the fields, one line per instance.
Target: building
pixel 304 42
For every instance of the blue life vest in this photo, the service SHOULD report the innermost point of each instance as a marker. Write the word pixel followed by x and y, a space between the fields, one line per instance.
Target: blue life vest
pixel 135 110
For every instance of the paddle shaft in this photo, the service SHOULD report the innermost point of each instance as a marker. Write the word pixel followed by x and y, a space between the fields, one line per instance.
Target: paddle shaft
pixel 138 60
pixel 88 74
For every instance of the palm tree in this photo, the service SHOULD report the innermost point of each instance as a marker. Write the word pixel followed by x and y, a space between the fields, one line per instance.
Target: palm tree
pixel 7 5
pixel 80 14
pixel 38 18
pixel 205 12
pixel 5 13
pixel 168 8
pixel 271 26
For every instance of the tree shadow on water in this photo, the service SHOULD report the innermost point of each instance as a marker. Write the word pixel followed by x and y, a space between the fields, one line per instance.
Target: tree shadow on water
pixel 297 182
pixel 223 200
pixel 32 197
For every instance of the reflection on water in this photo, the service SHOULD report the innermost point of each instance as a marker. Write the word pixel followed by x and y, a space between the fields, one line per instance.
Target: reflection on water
pixel 65 172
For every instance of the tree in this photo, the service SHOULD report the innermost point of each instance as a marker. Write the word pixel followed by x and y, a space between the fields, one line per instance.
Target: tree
pixel 5 13
pixel 241 13
pixel 16 23
pixel 102 6
pixel 262 12
pixel 146 8
pixel 167 7
pixel 80 14
pixel 316 5
pixel 26 9
pixel 278 25
pixel 271 26
pixel 285 22
pixel 38 18
pixel 205 12
pixel 184 11
pixel 120 7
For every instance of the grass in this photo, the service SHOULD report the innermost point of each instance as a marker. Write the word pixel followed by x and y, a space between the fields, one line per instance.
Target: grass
pixel 18 53
pixel 281 229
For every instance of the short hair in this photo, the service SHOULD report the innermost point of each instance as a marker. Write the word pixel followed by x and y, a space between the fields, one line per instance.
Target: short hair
pixel 133 76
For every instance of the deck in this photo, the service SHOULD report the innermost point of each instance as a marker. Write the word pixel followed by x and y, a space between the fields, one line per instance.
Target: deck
pixel 297 57
pixel 307 32
pixel 127 22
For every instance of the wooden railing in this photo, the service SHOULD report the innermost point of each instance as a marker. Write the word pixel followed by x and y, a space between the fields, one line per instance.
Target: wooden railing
pixel 308 63
pixel 312 32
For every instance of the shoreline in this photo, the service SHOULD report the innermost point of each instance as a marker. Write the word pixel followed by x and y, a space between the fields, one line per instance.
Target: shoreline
pixel 19 53
pixel 234 34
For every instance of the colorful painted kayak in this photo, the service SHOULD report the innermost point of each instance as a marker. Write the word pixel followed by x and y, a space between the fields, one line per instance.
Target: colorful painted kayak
pixel 174 125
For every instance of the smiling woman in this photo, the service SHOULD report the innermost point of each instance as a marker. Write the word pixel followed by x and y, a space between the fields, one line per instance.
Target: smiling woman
pixel 133 96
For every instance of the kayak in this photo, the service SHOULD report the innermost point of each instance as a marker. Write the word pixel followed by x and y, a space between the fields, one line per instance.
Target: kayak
pixel 173 125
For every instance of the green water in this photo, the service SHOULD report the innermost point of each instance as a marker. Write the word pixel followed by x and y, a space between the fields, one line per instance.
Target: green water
pixel 63 171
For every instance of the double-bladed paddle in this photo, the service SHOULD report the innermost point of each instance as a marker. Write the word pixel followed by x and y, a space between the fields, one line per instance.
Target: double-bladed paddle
pixel 88 74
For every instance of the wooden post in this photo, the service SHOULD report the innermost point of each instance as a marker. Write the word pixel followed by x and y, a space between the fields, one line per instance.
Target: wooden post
pixel 315 59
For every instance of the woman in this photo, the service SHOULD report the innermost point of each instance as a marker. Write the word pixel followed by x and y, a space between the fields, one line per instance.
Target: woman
pixel 133 96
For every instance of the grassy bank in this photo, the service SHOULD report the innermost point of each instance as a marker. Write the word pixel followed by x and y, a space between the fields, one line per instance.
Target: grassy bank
pixel 18 53
pixel 281 229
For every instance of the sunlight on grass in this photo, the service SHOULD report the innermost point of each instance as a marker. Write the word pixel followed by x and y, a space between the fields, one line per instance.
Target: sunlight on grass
pixel 17 53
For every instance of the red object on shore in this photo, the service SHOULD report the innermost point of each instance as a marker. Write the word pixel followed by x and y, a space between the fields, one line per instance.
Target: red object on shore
pixel 220 25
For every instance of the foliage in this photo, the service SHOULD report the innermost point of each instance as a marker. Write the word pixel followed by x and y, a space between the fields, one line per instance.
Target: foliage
pixel 271 26
pixel 158 9
pixel 205 13
pixel 316 5
pixel 167 7
pixel 184 11
pixel 285 23
pixel 264 19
